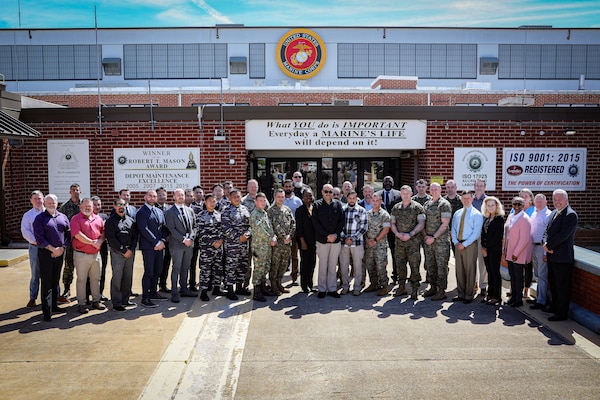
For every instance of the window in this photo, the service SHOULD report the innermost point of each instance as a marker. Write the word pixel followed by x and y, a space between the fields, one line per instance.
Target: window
pixel 49 62
pixel 369 60
pixel 548 61
pixel 237 65
pixel 257 60
pixel 175 61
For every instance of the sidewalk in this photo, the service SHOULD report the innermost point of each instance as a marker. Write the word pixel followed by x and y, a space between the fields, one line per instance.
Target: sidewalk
pixel 297 347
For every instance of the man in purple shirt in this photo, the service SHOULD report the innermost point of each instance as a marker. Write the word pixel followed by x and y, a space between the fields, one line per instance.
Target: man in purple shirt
pixel 51 230
pixel 37 203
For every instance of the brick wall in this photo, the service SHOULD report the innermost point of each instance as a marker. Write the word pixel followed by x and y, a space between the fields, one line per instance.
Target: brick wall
pixel 585 290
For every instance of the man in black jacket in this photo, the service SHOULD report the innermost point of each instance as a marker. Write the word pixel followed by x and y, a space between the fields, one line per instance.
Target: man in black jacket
pixel 558 245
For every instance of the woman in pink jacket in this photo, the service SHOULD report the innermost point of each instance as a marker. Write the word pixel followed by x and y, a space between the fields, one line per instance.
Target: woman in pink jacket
pixel 518 249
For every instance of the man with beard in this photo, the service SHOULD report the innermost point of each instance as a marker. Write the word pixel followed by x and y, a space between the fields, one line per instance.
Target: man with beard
pixel 292 202
pixel 355 226
pixel 368 192
pixel 299 186
pixel 121 235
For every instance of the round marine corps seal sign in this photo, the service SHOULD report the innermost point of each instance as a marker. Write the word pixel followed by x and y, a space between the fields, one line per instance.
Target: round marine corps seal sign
pixel 301 53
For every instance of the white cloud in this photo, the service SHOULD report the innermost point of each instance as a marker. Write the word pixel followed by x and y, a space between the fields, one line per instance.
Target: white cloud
pixel 222 19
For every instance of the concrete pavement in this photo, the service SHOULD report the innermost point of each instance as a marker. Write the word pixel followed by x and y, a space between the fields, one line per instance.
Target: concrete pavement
pixel 297 346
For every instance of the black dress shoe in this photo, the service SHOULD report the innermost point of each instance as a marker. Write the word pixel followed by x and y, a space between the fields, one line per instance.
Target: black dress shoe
pixel 556 317
pixel 516 304
pixel 321 295
pixel 129 304
pixel 536 306
pixel 457 298
pixel 548 309
pixel 165 289
pixel 58 310
pixel 103 298
pixel 467 301
pixel 531 301
pixel 335 295
pixel 193 288
pixel 118 308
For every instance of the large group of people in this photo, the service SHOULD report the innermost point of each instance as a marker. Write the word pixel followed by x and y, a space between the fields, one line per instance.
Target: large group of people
pixel 209 242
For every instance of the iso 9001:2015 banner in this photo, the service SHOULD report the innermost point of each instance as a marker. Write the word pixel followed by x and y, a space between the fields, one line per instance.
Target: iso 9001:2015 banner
pixel 544 168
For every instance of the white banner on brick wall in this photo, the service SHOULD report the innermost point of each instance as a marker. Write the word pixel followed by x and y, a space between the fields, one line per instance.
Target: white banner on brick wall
pixel 544 168
pixel 472 163
pixel 68 163
pixel 335 134
pixel 141 169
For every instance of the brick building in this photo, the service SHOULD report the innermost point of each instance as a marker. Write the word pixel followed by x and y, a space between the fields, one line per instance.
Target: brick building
pixel 260 103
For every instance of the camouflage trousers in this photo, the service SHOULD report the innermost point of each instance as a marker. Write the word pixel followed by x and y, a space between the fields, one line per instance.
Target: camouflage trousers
pixel 262 253
pixel 408 252
pixel 280 258
pixel 236 261
pixel 436 262
pixel 211 265
pixel 375 262
pixel 69 268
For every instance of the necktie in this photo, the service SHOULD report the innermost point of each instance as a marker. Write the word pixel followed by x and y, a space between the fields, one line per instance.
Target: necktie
pixel 185 220
pixel 461 227
pixel 387 199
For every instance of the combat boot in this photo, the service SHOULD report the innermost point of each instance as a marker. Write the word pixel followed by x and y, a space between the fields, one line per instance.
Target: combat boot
pixel 281 288
pixel 371 288
pixel 239 289
pixel 413 293
pixel 204 295
pixel 275 287
pixel 440 295
pixel 266 290
pixel 217 291
pixel 258 296
pixel 383 291
pixel 230 293
pixel 401 291
pixel 431 291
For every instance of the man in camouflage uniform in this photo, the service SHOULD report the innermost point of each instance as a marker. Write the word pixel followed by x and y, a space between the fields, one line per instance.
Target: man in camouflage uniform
pixel 249 200
pixel 236 228
pixel 454 200
pixel 407 220
pixel 376 247
pixel 210 247
pixel 284 226
pixel 69 208
pixel 436 241
pixel 263 241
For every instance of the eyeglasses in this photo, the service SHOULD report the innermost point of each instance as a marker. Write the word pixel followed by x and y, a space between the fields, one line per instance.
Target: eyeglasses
pixel 327 191
pixel 121 204
pixel 517 204
pixel 296 176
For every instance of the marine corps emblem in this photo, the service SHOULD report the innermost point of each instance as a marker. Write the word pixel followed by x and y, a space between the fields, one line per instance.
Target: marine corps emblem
pixel 300 53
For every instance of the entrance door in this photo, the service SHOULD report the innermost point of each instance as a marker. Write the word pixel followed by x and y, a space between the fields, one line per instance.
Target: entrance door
pixel 360 172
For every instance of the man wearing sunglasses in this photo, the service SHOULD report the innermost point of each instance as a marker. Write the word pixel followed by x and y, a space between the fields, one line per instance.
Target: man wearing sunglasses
pixel 328 219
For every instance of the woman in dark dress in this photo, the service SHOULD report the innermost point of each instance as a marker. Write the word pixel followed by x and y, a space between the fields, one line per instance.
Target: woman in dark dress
pixel 492 233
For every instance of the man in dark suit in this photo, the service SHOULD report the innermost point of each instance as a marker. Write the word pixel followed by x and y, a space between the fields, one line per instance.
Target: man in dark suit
pixel 181 223
pixel 389 197
pixel 153 237
pixel 558 245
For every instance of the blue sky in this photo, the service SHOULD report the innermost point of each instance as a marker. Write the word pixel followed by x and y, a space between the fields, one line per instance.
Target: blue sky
pixel 177 13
